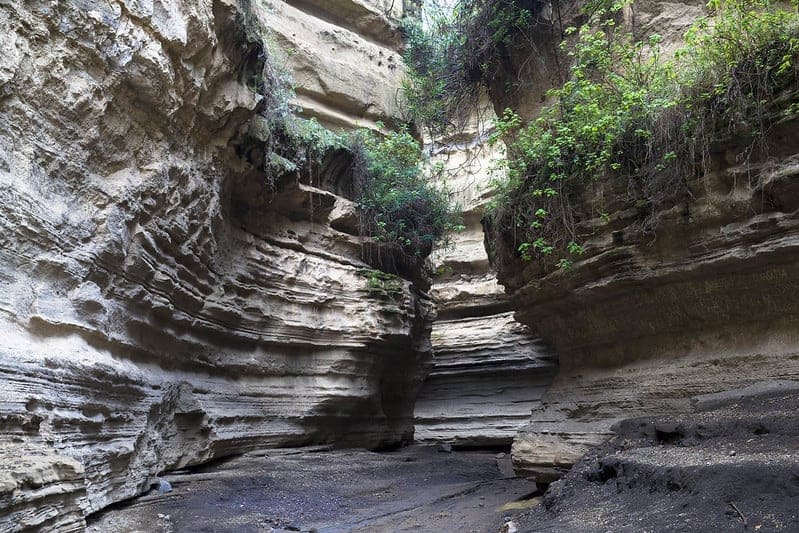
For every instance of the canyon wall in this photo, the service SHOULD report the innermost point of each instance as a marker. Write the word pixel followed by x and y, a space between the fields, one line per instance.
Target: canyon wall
pixel 643 323
pixel 489 371
pixel 161 303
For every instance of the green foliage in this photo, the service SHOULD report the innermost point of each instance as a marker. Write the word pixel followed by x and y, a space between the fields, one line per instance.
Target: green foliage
pixel 275 127
pixel 401 210
pixel 270 77
pixel 625 113
pixel 737 61
pixel 312 141
pixel 435 90
pixel 451 54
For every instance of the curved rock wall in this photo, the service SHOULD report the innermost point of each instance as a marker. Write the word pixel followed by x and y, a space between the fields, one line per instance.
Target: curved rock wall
pixel 160 307
pixel 643 325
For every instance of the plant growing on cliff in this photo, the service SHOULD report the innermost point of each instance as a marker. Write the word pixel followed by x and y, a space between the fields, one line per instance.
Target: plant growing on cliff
pixel 604 113
pixel 436 94
pixel 265 64
pixel 285 142
pixel 402 211
pixel 735 63
pixel 452 53
pixel 382 284
pixel 626 114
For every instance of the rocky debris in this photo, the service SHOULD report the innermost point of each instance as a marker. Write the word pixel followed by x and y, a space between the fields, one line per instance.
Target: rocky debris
pixel 505 464
pixel 161 304
pixel 444 447
pixel 675 473
pixel 413 489
pixel 162 485
pixel 489 371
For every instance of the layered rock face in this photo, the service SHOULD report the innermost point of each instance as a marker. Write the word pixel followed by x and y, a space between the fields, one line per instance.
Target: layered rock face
pixel 161 304
pixel 489 371
pixel 643 323
pixel 344 56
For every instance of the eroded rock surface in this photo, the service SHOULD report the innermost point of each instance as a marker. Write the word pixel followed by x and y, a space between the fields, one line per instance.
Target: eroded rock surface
pixel 643 324
pixel 161 305
pixel 344 56
pixel 489 370
pixel 644 321
pixel 39 489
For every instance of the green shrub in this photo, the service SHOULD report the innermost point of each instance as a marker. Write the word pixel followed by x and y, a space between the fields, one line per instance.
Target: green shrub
pixel 625 113
pixel 435 92
pixel 735 62
pixel 379 283
pixel 275 129
pixel 401 208
pixel 451 55
pixel 402 211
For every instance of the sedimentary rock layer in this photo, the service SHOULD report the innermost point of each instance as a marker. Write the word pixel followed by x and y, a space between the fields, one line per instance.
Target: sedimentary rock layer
pixel 489 370
pixel 488 374
pixel 343 55
pixel 642 324
pixel 40 490
pixel 161 304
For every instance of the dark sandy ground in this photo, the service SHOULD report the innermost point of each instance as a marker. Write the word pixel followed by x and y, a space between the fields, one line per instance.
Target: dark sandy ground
pixel 730 466
pixel 413 489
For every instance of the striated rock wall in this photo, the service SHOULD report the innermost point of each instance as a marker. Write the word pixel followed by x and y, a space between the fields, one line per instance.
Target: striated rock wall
pixel 160 304
pixel 643 323
pixel 344 56
pixel 489 371
pixel 40 489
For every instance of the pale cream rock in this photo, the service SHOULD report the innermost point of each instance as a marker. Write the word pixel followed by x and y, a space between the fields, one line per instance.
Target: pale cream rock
pixel 489 371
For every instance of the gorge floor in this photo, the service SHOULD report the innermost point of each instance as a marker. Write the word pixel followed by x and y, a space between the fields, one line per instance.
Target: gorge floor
pixel 413 489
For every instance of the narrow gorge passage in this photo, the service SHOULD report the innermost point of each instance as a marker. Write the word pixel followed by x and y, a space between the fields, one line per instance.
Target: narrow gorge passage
pixel 186 278
pixel 488 266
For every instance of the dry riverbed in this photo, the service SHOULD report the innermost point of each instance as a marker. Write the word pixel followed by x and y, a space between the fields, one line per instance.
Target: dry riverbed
pixel 413 489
